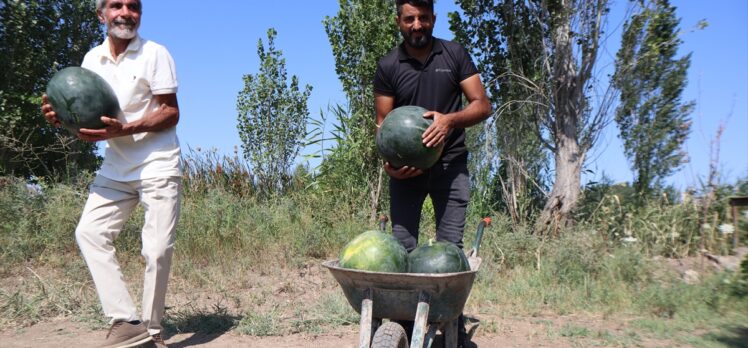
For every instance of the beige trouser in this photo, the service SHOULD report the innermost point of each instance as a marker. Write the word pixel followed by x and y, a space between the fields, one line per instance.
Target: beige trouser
pixel 108 206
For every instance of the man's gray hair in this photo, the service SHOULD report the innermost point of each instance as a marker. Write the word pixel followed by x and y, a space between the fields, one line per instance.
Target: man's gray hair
pixel 100 4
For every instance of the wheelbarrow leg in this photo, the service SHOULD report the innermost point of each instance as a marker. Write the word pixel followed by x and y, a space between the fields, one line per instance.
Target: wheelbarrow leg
pixel 430 336
pixel 366 329
pixel 450 334
pixel 422 315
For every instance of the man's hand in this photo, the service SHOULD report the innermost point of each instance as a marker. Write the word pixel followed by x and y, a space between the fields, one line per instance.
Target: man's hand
pixel 438 130
pixel 401 173
pixel 49 113
pixel 113 129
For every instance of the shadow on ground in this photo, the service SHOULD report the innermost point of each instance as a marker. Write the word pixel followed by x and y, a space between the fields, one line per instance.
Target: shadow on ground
pixel 204 326
pixel 736 337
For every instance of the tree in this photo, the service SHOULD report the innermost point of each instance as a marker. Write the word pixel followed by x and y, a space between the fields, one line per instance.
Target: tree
pixel 652 119
pixel 553 47
pixel 36 39
pixel 272 118
pixel 360 34
pixel 577 110
pixel 504 40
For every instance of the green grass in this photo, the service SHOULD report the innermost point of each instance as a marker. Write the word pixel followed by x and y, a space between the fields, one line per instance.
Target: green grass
pixel 328 312
pixel 260 323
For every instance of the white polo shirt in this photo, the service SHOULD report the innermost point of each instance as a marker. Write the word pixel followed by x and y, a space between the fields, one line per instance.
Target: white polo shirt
pixel 145 69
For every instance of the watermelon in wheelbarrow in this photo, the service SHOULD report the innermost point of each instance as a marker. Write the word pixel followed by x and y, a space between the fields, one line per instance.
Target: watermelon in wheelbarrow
pixel 433 301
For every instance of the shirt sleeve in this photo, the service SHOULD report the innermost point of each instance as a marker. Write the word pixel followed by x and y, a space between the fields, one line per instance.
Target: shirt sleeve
pixel 88 61
pixel 163 79
pixel 467 67
pixel 383 81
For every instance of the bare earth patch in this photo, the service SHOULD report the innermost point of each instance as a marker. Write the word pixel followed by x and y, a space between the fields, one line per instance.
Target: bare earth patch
pixel 527 332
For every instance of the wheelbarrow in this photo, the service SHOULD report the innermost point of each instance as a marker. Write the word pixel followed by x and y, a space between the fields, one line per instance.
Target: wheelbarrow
pixel 433 301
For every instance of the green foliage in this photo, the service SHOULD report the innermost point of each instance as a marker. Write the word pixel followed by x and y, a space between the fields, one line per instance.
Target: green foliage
pixel 346 183
pixel 510 160
pixel 360 34
pixel 672 224
pixel 272 118
pixel 741 280
pixel 36 39
pixel 206 169
pixel 652 118
pixel 539 58
pixel 37 222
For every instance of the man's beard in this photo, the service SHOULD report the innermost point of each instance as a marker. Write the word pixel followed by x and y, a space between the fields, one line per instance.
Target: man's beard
pixel 417 42
pixel 126 32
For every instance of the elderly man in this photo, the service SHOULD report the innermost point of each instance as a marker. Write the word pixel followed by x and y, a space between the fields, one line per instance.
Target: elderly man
pixel 141 165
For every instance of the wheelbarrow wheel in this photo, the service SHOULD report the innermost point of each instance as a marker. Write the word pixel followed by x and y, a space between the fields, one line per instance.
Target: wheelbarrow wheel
pixel 390 335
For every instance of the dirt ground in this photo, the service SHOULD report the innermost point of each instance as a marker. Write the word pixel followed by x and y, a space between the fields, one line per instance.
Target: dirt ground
pixel 515 332
pixel 64 333
pixel 296 289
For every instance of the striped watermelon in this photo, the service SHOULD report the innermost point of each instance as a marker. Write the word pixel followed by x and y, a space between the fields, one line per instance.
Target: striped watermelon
pixel 374 251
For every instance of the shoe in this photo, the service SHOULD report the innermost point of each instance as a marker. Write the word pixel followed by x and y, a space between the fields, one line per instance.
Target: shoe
pixel 158 341
pixel 123 334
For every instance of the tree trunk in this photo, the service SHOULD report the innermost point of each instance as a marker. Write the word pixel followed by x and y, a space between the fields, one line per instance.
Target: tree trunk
pixel 516 190
pixel 568 104
pixel 558 210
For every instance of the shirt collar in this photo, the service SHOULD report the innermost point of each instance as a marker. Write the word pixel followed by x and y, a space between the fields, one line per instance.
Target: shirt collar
pixel 133 46
pixel 436 48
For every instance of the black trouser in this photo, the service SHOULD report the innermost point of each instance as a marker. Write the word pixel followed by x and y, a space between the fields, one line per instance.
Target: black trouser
pixel 448 185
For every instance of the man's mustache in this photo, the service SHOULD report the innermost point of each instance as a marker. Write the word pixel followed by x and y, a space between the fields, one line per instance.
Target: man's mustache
pixel 125 21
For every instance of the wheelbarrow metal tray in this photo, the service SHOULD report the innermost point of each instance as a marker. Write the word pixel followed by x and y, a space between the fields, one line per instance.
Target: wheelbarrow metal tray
pixel 396 295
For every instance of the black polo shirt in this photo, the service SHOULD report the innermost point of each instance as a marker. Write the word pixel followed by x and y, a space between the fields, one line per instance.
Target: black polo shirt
pixel 434 85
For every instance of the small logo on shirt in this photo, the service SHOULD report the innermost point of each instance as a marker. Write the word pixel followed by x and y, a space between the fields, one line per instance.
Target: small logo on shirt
pixel 442 70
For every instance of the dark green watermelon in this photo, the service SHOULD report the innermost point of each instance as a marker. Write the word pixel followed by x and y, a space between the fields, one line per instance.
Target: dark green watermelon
pixel 80 97
pixel 374 251
pixel 399 139
pixel 437 257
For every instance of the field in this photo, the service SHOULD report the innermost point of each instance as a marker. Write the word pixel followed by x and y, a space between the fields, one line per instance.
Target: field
pixel 247 273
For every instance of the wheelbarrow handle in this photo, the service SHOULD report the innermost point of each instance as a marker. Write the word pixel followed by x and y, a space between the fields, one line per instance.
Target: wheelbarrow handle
pixel 479 235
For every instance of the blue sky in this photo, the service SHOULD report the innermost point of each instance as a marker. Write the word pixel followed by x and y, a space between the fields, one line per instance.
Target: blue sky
pixel 214 45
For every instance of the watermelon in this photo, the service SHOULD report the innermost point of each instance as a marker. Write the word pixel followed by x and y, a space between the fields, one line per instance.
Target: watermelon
pixel 374 251
pixel 437 257
pixel 80 97
pixel 399 139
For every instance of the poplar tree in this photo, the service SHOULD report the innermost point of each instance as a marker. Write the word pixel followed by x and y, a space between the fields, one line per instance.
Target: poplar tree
pixel 272 118
pixel 361 33
pixel 652 118
pixel 570 104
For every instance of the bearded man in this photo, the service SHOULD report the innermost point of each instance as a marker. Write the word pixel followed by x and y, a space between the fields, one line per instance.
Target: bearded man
pixel 141 165
pixel 434 74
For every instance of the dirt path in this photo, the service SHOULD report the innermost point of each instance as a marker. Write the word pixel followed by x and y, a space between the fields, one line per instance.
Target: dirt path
pixel 511 333
pixel 63 333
